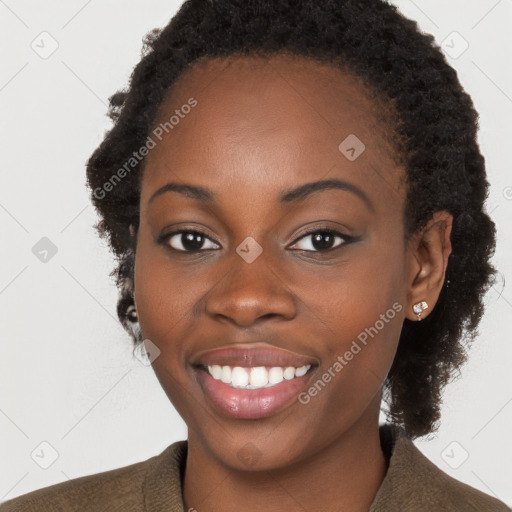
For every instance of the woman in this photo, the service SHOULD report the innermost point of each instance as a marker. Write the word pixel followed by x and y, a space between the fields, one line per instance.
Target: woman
pixel 295 195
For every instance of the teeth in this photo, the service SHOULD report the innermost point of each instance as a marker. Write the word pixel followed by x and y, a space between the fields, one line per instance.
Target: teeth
pixel 299 372
pixel 289 373
pixel 275 375
pixel 226 375
pixel 256 377
pixel 239 377
pixel 216 371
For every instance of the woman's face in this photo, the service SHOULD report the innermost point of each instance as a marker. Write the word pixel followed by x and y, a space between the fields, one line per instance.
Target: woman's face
pixel 252 133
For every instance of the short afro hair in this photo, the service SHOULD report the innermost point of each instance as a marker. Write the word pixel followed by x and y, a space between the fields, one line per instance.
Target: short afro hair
pixel 434 128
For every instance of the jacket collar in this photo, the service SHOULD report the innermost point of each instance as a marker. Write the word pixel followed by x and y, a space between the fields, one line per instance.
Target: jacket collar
pixel 163 483
pixel 412 482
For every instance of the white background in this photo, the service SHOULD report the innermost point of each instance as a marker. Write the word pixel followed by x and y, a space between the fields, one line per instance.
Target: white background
pixel 67 375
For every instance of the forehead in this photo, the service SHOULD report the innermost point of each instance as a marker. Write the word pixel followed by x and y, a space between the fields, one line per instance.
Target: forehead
pixel 284 118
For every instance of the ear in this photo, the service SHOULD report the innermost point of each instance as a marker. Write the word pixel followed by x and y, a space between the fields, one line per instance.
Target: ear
pixel 427 259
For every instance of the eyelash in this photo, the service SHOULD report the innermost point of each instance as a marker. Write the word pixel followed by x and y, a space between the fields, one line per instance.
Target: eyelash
pixel 164 239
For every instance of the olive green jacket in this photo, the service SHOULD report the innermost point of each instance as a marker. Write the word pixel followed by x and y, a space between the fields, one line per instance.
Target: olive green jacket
pixel 412 483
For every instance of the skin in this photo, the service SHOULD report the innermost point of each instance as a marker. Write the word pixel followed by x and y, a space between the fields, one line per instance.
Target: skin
pixel 262 127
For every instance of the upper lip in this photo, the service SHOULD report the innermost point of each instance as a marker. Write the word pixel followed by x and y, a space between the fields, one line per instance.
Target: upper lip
pixel 260 354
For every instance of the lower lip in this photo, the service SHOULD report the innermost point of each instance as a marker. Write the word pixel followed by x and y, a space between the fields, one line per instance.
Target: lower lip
pixel 251 403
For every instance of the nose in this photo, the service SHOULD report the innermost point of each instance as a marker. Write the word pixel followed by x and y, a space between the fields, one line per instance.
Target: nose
pixel 250 293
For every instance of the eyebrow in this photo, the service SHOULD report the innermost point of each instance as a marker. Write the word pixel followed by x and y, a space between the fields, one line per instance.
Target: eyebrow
pixel 194 192
pixel 295 194
pixel 305 190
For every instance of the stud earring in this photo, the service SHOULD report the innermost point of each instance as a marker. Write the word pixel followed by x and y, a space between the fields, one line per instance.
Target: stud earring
pixel 133 322
pixel 131 314
pixel 419 307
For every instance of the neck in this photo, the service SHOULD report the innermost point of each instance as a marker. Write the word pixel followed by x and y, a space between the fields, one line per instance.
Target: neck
pixel 345 475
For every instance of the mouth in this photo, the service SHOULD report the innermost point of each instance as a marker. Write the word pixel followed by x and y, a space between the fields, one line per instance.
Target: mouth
pixel 254 377
pixel 252 383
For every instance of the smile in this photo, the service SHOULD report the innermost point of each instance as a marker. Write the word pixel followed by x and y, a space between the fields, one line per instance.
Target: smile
pixel 256 377
pixel 251 381
pixel 240 399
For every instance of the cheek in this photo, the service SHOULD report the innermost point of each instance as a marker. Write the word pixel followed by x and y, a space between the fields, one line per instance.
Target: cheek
pixel 165 295
pixel 166 299
pixel 356 358
pixel 360 309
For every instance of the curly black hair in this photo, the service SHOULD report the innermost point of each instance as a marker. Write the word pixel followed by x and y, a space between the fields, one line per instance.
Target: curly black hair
pixel 433 128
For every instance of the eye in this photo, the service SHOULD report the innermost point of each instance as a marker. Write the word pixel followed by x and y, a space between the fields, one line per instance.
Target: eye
pixel 317 240
pixel 321 240
pixel 188 241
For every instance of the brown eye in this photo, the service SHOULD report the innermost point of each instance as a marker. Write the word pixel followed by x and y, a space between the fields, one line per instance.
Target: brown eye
pixel 189 241
pixel 321 240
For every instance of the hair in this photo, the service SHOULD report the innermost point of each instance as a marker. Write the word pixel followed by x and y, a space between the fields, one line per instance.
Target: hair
pixel 434 129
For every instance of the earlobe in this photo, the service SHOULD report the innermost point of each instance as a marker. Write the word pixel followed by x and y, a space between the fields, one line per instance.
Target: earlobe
pixel 429 251
pixel 419 307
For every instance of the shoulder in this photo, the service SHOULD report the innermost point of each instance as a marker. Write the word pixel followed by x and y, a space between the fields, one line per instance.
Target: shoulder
pixel 117 489
pixel 413 482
